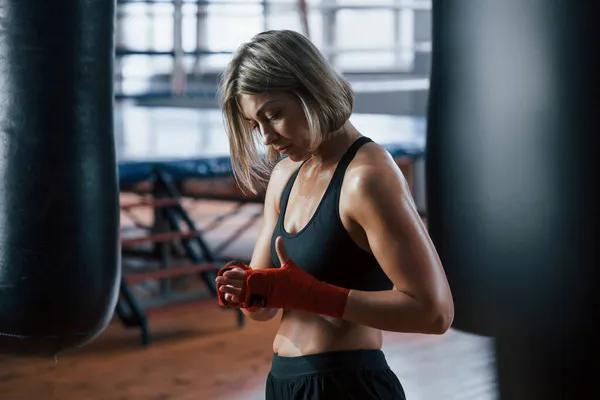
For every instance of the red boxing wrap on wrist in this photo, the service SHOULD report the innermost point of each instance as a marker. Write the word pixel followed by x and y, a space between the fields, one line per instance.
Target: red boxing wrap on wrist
pixel 291 288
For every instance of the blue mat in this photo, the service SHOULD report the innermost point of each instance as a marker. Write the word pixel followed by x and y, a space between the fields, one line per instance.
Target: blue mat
pixel 188 143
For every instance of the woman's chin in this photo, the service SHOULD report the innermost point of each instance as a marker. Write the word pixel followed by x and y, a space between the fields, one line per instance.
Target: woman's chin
pixel 297 157
pixel 294 154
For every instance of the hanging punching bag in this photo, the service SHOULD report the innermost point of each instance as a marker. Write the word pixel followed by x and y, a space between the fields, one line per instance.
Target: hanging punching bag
pixel 59 216
pixel 511 122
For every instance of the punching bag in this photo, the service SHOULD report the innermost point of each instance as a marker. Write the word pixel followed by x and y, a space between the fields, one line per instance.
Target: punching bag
pixel 59 206
pixel 512 125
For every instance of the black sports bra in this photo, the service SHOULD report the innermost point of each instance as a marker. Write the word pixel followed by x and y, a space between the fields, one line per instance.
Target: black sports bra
pixel 323 247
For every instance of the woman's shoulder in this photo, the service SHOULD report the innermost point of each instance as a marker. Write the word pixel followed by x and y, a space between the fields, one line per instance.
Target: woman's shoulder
pixel 372 166
pixel 280 175
pixel 371 157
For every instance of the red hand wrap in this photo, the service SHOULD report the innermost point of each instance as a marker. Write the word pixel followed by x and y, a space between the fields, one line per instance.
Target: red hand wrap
pixel 290 287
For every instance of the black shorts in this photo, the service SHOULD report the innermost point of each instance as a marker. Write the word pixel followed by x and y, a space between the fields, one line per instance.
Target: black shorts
pixel 343 375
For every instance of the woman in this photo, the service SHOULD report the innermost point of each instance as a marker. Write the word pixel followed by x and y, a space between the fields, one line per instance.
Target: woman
pixel 342 249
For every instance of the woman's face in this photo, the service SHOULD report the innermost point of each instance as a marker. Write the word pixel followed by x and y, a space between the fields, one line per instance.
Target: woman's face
pixel 280 120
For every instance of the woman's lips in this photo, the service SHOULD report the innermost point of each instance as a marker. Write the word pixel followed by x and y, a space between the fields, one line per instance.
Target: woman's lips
pixel 282 149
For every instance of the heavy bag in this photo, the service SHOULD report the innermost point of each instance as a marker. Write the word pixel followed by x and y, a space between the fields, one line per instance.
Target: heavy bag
pixel 511 122
pixel 59 206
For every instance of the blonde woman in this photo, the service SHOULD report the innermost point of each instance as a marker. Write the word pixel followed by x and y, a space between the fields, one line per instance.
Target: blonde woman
pixel 342 250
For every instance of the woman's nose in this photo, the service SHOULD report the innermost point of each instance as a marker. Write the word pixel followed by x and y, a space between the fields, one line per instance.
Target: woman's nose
pixel 269 135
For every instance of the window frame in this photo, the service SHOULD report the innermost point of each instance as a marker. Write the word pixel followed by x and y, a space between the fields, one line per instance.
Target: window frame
pixel 327 10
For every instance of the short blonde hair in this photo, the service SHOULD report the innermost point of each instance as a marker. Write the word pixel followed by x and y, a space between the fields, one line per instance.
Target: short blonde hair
pixel 279 61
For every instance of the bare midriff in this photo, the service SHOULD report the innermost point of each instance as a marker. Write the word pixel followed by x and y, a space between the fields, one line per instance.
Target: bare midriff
pixel 302 333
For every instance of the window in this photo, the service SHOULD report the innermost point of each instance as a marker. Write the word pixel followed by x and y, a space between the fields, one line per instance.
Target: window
pixel 279 17
pixel 145 27
pixel 364 39
pixel 227 26
pixel 355 35
pixel 373 35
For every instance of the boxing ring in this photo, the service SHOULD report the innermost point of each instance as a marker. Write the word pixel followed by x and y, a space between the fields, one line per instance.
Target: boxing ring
pixel 168 155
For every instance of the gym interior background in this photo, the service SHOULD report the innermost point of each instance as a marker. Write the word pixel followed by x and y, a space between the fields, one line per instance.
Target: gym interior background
pixel 181 214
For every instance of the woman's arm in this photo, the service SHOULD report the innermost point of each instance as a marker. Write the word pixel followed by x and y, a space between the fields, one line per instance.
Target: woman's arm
pixel 261 256
pixel 421 301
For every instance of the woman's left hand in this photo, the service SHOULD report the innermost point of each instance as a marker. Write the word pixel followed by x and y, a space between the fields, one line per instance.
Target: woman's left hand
pixel 232 282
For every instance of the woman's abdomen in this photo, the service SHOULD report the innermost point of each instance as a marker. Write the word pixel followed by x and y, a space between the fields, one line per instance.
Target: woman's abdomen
pixel 303 333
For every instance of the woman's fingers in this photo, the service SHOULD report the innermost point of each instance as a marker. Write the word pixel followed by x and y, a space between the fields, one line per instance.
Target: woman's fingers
pixel 228 289
pixel 221 280
pixel 236 273
pixel 231 283
pixel 231 298
pixel 235 276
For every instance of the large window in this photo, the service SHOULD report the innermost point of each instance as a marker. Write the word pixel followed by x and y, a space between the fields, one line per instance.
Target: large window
pixel 226 27
pixel 229 24
pixel 355 35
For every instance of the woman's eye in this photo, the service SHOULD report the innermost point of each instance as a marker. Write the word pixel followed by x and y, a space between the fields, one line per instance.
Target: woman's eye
pixel 272 117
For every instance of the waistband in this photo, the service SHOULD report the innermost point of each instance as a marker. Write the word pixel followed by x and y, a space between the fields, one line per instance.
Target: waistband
pixel 351 360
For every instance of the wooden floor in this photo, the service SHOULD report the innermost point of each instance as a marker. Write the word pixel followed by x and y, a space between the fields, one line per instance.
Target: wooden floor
pixel 204 356
pixel 201 354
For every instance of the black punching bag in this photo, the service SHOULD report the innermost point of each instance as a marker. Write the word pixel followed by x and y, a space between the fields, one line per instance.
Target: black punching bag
pixel 512 124
pixel 59 215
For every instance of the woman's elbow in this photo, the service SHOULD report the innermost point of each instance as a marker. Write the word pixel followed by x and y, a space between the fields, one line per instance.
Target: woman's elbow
pixel 430 319
pixel 441 318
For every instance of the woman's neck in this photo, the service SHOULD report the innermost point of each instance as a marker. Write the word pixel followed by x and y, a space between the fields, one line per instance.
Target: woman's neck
pixel 335 145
